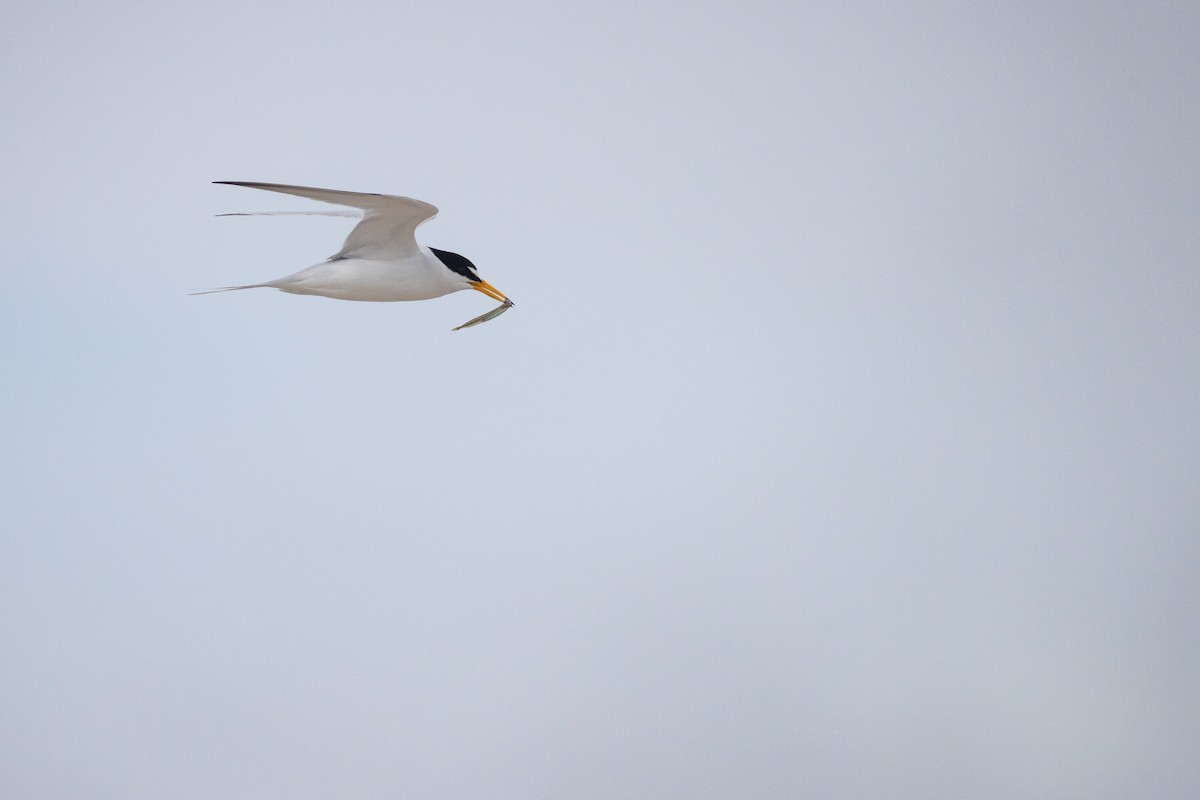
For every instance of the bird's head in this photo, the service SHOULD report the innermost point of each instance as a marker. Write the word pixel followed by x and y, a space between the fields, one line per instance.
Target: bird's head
pixel 462 266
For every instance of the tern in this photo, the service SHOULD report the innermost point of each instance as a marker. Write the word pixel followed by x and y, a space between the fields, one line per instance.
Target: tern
pixel 381 260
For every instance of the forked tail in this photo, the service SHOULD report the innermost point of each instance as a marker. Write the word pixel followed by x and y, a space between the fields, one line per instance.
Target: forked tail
pixel 229 289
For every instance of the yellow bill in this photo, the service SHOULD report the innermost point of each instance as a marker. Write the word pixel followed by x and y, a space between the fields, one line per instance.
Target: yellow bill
pixel 490 291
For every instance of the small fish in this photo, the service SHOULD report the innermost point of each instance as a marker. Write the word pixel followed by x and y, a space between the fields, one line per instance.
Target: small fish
pixel 495 312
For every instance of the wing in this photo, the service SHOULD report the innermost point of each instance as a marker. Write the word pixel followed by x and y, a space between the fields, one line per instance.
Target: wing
pixel 389 222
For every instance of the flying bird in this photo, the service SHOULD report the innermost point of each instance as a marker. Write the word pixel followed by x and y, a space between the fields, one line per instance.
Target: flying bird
pixel 381 260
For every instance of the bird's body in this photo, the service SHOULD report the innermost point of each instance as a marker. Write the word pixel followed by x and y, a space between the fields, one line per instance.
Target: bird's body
pixel 419 277
pixel 381 260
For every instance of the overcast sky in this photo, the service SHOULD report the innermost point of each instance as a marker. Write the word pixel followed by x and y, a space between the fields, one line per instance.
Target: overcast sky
pixel 844 441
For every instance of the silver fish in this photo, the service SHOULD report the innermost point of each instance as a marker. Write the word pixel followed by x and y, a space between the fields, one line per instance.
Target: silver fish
pixel 482 318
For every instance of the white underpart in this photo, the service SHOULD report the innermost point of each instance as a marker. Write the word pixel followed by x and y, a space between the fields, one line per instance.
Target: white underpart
pixel 420 277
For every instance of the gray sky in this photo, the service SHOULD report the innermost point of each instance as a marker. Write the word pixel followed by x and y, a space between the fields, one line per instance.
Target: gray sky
pixel 843 442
